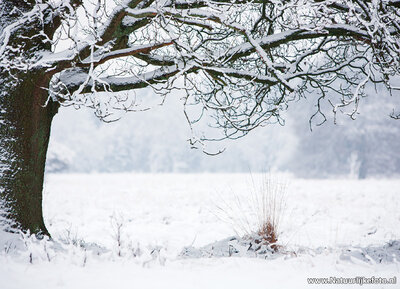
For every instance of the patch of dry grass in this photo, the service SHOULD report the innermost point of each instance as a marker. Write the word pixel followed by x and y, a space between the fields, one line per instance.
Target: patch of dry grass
pixel 257 214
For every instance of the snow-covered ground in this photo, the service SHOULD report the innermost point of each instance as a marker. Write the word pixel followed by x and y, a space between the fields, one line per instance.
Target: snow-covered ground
pixel 129 231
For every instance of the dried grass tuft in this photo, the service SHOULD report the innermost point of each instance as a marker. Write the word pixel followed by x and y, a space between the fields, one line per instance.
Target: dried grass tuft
pixel 257 215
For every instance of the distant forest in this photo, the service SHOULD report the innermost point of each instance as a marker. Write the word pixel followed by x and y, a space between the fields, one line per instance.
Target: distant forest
pixel 156 141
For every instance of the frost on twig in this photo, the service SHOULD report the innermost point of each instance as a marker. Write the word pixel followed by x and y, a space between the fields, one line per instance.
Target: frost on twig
pixel 240 62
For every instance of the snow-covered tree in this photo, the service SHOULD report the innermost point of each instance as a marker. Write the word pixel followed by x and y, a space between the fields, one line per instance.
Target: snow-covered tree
pixel 239 61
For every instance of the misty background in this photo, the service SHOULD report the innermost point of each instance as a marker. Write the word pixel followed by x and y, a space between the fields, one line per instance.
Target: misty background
pixel 156 141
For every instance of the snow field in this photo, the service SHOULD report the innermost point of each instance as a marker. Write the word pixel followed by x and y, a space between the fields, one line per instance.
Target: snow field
pixel 329 228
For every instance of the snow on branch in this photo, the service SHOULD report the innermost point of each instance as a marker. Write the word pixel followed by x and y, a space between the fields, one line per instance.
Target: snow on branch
pixel 98 59
pixel 242 62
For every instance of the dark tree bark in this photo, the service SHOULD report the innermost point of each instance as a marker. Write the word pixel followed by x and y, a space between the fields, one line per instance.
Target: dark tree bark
pixel 24 137
pixel 25 122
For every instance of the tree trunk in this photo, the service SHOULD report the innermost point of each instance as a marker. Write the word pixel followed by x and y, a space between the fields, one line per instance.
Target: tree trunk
pixel 25 122
pixel 25 119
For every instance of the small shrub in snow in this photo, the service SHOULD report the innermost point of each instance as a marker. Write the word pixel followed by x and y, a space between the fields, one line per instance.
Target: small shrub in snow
pixel 257 215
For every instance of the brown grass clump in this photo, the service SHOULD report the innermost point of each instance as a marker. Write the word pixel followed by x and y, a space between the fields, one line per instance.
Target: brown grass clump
pixel 268 236
pixel 257 214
